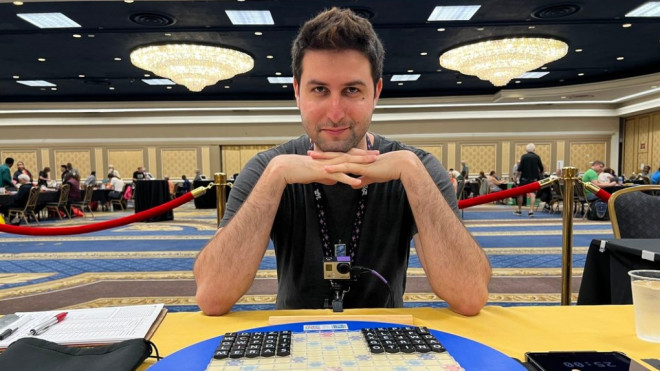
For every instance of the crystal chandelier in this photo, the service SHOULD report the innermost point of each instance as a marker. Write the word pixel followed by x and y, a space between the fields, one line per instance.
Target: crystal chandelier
pixel 499 61
pixel 192 65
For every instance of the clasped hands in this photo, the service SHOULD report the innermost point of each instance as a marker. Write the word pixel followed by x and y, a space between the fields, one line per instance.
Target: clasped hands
pixel 356 168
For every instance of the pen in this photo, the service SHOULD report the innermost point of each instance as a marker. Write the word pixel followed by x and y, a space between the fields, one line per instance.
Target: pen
pixel 7 333
pixel 42 327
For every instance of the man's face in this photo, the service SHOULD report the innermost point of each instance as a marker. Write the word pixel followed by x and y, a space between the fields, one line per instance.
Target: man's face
pixel 599 168
pixel 336 98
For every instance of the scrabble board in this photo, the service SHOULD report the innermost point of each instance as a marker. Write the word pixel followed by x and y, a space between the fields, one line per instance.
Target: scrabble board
pixel 341 350
pixel 334 347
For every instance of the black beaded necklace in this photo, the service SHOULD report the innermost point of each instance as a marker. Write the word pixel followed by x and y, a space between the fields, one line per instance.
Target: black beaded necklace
pixel 328 248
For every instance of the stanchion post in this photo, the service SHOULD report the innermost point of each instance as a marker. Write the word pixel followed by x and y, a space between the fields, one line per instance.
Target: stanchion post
pixel 569 175
pixel 220 180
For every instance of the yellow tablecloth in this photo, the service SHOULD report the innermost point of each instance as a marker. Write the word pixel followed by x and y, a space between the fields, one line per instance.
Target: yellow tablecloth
pixel 511 330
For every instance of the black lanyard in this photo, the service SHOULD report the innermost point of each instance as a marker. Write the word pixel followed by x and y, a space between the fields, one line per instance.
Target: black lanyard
pixel 352 245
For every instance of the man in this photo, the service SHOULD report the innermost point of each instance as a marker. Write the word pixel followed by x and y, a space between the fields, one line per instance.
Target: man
pixel 655 178
pixel 113 171
pixel 341 183
pixel 5 173
pixel 21 170
pixel 117 186
pixel 198 176
pixel 20 198
pixel 90 182
pixel 138 174
pixel 591 175
pixel 529 170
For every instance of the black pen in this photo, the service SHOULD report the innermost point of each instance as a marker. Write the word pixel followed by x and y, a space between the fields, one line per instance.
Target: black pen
pixel 7 333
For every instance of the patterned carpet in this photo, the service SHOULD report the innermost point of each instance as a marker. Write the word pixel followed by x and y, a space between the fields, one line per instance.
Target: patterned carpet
pixel 151 262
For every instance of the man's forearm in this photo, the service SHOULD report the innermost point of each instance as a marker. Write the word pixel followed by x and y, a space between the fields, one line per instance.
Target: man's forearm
pixel 457 268
pixel 226 267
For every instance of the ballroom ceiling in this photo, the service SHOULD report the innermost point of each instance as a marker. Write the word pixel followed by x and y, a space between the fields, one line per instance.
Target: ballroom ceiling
pixel 91 62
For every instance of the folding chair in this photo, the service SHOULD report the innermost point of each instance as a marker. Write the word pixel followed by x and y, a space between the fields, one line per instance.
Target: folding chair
pixel 28 210
pixel 61 204
pixel 84 203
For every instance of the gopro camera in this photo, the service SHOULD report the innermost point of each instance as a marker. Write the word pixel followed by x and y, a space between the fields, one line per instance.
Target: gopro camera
pixel 337 268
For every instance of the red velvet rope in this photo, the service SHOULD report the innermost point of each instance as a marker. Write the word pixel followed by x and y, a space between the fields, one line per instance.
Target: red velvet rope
pixel 490 197
pixel 94 227
pixel 603 195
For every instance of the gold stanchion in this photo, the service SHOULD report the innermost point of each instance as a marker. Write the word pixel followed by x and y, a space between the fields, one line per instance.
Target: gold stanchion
pixel 220 180
pixel 569 175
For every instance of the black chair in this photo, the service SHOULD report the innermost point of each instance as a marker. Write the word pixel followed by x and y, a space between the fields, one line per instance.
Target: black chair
pixel 62 202
pixel 28 210
pixel 581 202
pixel 635 211
pixel 120 201
pixel 84 203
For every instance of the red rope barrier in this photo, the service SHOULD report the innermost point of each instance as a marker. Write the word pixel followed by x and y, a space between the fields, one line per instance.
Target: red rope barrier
pixel 603 195
pixel 490 197
pixel 94 227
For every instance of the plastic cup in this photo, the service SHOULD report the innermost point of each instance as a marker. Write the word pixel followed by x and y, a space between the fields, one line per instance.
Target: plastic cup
pixel 646 301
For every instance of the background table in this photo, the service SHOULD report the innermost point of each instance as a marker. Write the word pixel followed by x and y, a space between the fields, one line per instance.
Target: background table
pixel 605 279
pixel 512 331
pixel 151 193
pixel 209 199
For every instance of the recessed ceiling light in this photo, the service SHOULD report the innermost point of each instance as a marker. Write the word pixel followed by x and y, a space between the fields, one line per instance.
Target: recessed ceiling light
pixel 158 82
pixel 626 25
pixel 17 3
pixel 544 67
pixel 531 27
pixel 423 53
pixel 532 75
pixel 226 86
pixel 258 33
pixel 48 20
pixel 648 9
pixel 278 73
pixel 41 59
pixel 453 13
pixel 410 71
pixel 254 17
pixel 280 80
pixel 269 57
pixel 481 28
pixel 129 1
pixel 441 30
pixel 16 77
pixel 81 76
pixel 563 97
pixel 91 35
pixel 581 74
pixel 168 87
pixel 112 88
pixel 285 86
pixel 147 75
pixel 521 98
pixel 35 83
pixel 517 81
pixel 117 59
pixel 619 58
pixel 459 82
pixel 53 88
pixel 168 34
pixel 400 83
pixel 578 50
pixel 409 77
pixel 77 35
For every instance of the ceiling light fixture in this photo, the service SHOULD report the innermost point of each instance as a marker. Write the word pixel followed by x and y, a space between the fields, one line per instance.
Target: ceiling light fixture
pixel 194 66
pixel 499 61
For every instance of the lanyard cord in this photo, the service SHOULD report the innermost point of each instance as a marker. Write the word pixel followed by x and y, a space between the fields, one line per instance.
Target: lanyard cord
pixel 352 246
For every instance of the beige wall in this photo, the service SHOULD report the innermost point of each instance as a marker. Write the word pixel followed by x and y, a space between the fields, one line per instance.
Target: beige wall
pixel 178 142
pixel 641 142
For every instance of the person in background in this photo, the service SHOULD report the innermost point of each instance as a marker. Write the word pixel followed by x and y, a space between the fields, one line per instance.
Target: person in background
pixel 185 187
pixel 113 171
pixel 170 185
pixel 65 172
pixel 148 175
pixel 529 171
pixel 591 175
pixel 138 174
pixel 21 170
pixel 607 176
pixel 44 177
pixel 5 174
pixel 494 182
pixel 20 198
pixel 117 186
pixel 198 175
pixel 90 182
pixel 322 179
pixel 655 178
pixel 454 181
pixel 465 170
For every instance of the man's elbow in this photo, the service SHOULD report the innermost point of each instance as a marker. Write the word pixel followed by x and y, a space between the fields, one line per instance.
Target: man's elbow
pixel 213 305
pixel 471 304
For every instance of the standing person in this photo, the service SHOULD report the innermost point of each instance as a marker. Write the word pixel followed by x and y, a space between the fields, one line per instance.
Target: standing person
pixel 113 171
pixel 465 170
pixel 198 175
pixel 20 169
pixel 5 173
pixel 138 174
pixel 529 171
pixel 307 194
pixel 44 177
pixel 65 173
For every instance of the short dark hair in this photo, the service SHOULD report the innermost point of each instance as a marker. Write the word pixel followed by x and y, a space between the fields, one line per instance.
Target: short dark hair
pixel 9 161
pixel 597 162
pixel 338 29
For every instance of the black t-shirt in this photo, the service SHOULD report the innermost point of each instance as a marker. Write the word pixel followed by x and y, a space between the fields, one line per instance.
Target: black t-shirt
pixel 139 175
pixel 530 167
pixel 387 229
